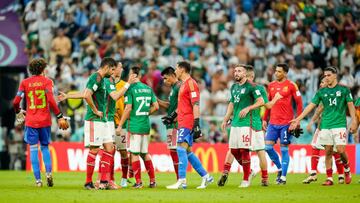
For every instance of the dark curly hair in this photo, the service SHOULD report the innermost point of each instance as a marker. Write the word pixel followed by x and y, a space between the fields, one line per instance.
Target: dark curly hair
pixel 37 66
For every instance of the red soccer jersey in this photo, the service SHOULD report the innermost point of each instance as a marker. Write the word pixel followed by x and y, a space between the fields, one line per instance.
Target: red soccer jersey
pixel 188 95
pixel 282 112
pixel 38 91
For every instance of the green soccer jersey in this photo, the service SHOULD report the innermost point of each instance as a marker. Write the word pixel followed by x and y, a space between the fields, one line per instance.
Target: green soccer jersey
pixel 110 107
pixel 357 102
pixel 243 96
pixel 256 119
pixel 173 100
pixel 335 102
pixel 140 96
pixel 97 85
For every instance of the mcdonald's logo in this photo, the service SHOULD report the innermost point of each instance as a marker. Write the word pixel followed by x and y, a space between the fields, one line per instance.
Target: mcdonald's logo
pixel 204 156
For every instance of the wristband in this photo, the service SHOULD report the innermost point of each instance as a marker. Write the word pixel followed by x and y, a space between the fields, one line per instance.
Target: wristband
pixel 60 115
pixel 127 85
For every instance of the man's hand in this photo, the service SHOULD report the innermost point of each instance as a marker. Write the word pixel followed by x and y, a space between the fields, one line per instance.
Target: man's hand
pixel 196 131
pixel 132 78
pixel 20 118
pixel 99 113
pixel 118 131
pixel 353 127
pixel 244 112
pixel 61 97
pixel 169 119
pixel 294 124
pixel 63 124
pixel 278 96
pixel 264 125
pixel 224 124
pixel 309 127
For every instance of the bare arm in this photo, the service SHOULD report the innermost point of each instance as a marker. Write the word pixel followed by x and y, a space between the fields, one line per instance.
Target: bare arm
pixel 229 112
pixel 259 102
pixel 270 104
pixel 354 124
pixel 88 98
pixel 295 122
pixel 126 114
pixel 154 107
pixel 163 104
pixel 117 94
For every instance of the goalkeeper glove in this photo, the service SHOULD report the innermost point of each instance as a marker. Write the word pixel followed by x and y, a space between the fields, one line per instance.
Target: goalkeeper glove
pixel 62 122
pixel 196 131
pixel 297 132
pixel 169 119
pixel 20 118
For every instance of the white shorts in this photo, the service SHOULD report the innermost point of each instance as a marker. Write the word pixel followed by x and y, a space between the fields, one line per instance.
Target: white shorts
pixel 333 136
pixel 258 140
pixel 240 138
pixel 171 139
pixel 121 140
pixel 315 141
pixel 97 133
pixel 111 130
pixel 139 144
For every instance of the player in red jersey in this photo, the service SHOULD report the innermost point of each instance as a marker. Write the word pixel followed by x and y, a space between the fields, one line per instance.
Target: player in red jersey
pixel 280 116
pixel 188 127
pixel 38 91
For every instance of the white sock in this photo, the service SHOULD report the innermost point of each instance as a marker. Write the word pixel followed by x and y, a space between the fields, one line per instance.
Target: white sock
pixel 283 178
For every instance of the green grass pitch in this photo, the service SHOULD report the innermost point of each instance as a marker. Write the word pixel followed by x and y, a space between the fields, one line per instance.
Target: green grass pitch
pixel 19 187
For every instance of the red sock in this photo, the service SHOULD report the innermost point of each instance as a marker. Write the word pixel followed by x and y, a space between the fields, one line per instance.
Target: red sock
pixel 90 165
pixel 150 169
pixel 175 159
pixel 137 170
pixel 131 171
pixel 227 167
pixel 124 167
pixel 112 166
pixel 264 174
pixel 329 173
pixel 338 163
pixel 245 156
pixel 315 159
pixel 105 165
pixel 237 155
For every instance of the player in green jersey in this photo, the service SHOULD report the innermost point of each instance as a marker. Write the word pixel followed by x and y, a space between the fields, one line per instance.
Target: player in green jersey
pixel 335 99
pixel 94 135
pixel 171 80
pixel 258 142
pixel 245 98
pixel 140 102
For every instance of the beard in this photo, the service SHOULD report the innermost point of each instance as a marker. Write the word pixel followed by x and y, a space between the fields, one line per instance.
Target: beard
pixel 238 79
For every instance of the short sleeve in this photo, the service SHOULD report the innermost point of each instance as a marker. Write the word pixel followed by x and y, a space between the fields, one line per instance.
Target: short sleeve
pixel 128 97
pixel 349 97
pixel 231 99
pixel 316 99
pixel 93 83
pixel 153 97
pixel 256 93
pixel 109 86
pixel 263 94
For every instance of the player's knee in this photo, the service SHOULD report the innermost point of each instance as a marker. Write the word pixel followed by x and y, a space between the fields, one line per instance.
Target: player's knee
pixel 269 147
